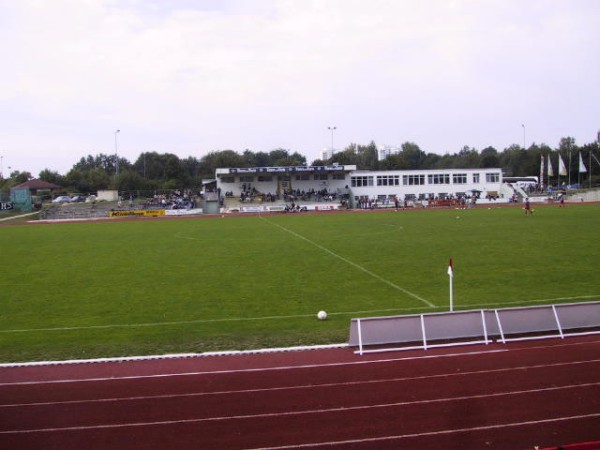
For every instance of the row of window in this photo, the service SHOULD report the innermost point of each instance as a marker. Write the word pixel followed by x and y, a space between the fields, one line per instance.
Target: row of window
pixel 380 180
pixel 269 178
pixel 419 180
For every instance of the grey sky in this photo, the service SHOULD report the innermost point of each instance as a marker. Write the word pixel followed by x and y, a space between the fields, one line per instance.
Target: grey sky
pixel 190 77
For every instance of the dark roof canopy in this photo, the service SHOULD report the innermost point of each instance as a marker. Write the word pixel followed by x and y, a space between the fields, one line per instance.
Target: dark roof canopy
pixel 35 184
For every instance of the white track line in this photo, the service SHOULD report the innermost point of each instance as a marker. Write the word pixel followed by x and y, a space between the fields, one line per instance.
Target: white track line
pixel 342 409
pixel 435 433
pixel 293 367
pixel 300 387
pixel 250 370
pixel 353 264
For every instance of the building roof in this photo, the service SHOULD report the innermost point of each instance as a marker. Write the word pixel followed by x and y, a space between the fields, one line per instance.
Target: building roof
pixel 37 184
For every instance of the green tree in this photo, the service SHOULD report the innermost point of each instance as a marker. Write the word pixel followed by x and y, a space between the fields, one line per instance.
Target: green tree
pixel 346 157
pixel 367 155
pixel 489 158
pixel 412 155
pixel 52 177
pixel 511 160
pixel 467 158
pixel 220 159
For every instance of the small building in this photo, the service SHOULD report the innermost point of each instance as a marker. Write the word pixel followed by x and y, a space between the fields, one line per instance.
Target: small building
pixel 39 187
pixel 30 194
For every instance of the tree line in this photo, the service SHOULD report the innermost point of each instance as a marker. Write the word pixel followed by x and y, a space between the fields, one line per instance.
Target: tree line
pixel 154 171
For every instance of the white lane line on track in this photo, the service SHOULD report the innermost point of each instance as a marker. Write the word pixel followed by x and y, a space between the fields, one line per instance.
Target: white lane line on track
pixel 299 387
pixel 351 263
pixel 249 370
pixel 436 433
pixel 341 409
pixel 301 366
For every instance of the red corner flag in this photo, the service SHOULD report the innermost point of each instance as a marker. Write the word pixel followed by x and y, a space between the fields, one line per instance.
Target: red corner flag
pixel 450 268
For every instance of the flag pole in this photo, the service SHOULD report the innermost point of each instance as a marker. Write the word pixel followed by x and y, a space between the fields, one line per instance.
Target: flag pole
pixel 451 276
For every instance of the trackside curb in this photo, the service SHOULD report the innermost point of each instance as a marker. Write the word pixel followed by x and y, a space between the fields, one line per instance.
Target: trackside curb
pixel 174 356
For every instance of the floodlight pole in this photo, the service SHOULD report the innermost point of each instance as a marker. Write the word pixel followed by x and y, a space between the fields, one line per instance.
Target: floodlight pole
pixel 524 146
pixel 332 130
pixel 116 154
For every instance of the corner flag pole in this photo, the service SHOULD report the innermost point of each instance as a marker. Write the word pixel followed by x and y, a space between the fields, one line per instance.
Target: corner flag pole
pixel 451 276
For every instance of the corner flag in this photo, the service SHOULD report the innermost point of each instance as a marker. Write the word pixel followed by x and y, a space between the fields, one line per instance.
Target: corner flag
pixel 451 275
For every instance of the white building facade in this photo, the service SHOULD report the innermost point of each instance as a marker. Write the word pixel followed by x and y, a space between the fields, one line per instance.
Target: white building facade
pixel 426 184
pixel 362 184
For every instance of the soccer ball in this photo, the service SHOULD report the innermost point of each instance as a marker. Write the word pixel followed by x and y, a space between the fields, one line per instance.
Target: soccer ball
pixel 322 315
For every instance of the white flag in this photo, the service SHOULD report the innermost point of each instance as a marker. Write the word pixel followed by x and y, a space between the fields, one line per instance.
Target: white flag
pixel 582 168
pixel 550 168
pixel 450 268
pixel 562 169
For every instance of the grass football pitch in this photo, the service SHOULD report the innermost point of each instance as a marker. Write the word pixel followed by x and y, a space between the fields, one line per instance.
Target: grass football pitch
pixel 100 289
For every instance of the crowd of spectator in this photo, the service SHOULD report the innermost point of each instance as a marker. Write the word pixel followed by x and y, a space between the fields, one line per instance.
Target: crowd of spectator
pixel 185 199
pixel 311 195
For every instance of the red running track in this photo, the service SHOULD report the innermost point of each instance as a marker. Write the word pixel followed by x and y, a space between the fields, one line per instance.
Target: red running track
pixel 516 396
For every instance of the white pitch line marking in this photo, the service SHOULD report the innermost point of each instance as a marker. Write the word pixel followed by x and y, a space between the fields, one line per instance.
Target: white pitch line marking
pixel 242 319
pixel 351 263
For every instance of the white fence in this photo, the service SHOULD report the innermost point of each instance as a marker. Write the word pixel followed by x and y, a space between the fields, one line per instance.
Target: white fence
pixel 423 331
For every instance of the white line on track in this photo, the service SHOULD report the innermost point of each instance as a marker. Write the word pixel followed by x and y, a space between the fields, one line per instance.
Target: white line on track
pixel 305 386
pixel 250 370
pixel 293 367
pixel 295 413
pixel 353 264
pixel 436 433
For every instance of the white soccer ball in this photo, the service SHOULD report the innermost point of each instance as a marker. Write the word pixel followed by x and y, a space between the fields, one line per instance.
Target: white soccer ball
pixel 322 315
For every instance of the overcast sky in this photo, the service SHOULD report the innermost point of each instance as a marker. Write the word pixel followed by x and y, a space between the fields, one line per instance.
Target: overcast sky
pixel 194 76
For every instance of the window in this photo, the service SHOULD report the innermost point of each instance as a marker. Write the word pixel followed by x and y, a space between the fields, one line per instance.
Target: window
pixel 492 177
pixel 438 178
pixel 361 181
pixel 338 176
pixel 476 178
pixel 266 179
pixel 388 180
pixel 302 177
pixel 247 179
pixel 459 178
pixel 227 179
pixel 413 180
pixel 320 176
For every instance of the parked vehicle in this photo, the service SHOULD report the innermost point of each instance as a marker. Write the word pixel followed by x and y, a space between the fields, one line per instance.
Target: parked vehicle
pixel 77 199
pixel 62 199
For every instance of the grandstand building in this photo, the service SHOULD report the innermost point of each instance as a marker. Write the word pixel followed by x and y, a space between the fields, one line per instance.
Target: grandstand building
pixel 347 181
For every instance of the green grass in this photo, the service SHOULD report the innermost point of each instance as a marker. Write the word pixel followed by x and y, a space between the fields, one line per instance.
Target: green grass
pixel 146 287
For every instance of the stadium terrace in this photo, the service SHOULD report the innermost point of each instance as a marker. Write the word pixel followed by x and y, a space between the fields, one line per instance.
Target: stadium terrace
pixel 353 187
